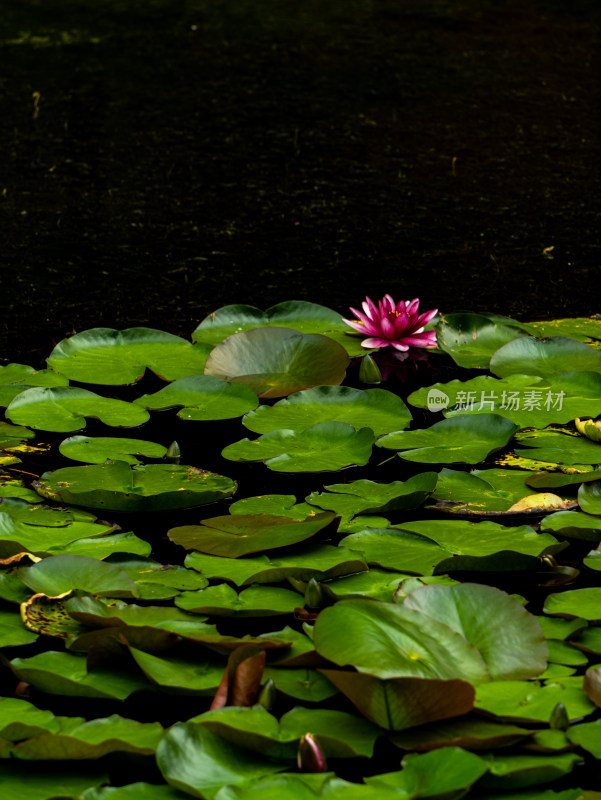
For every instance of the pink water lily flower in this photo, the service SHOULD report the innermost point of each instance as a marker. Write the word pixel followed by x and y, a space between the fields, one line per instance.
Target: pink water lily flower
pixel 399 325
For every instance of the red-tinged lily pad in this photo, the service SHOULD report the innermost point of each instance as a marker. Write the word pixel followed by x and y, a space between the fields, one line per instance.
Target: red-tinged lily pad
pixel 275 362
pixel 399 703
pixel 117 486
pixel 108 356
pixel 238 535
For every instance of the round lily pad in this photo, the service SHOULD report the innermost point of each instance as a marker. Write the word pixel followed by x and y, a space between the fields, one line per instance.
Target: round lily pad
pixel 108 356
pixel 102 448
pixel 471 339
pixel 377 409
pixel 325 446
pixel 275 362
pixel 120 487
pixel 530 356
pixel 296 314
pixel 204 397
pixel 464 438
pixel 65 409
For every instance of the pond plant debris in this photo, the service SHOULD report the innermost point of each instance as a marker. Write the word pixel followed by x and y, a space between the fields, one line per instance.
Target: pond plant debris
pixel 282 582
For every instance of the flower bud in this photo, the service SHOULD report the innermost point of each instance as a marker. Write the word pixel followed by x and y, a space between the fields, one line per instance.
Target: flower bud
pixel 310 757
pixel 173 454
pixel 369 372
pixel 559 720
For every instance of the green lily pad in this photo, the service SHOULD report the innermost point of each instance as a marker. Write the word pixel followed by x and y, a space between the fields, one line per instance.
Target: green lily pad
pixel 401 551
pixel 203 397
pixel 237 535
pixel 483 545
pixel 13 632
pixel 198 762
pixel 377 584
pixel 589 497
pixel 198 677
pixel 471 339
pixel 15 378
pixel 256 601
pixel 528 702
pixel 100 448
pixel 93 739
pixel 572 525
pixel 527 400
pixel 107 356
pixel 529 356
pixel 325 446
pixel 403 642
pixel 593 559
pixel 119 487
pixel 66 674
pixel 134 791
pixel 275 362
pixel 47 782
pixel 463 438
pixel 65 409
pixel 20 719
pixel 101 547
pixel 156 581
pixel 584 603
pixel 378 409
pixel 399 703
pixel 368 497
pixel 558 628
pixel 443 773
pixel 488 492
pixel 305 684
pixel 278 505
pixel 564 653
pixel 558 447
pixel 520 770
pixel 588 736
pixel 12 436
pixel 296 314
pixel 94 612
pixel 507 636
pixel 582 329
pixel 321 562
pixel 470 734
pixel 59 574
pixel 13 488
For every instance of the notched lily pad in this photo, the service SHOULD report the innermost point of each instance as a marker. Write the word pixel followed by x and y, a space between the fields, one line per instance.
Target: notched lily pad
pixel 464 438
pixel 97 450
pixel 65 408
pixel 15 378
pixel 275 362
pixel 378 409
pixel 325 446
pixel 237 535
pixel 108 356
pixel 204 397
pixel 120 487
pixel 256 601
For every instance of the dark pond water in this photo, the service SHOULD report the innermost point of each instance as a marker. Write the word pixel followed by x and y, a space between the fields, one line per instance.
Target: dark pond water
pixel 162 158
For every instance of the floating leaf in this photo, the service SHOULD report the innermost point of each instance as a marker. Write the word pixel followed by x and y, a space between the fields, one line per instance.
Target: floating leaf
pixel 256 601
pixel 275 362
pixel 529 356
pixel 119 487
pixel 66 674
pixel 107 356
pixel 522 701
pixel 588 736
pixel 380 410
pixel 65 409
pixel 134 791
pixel 198 677
pixel 507 636
pixel 237 535
pixel 279 505
pixel 470 734
pixel 558 447
pixel 97 450
pixel 579 328
pixel 15 378
pixel 13 632
pixel 304 684
pixel 589 497
pixel 204 397
pixel 573 525
pixel 368 497
pixel 463 438
pixel 325 446
pixel 12 436
pixel 59 574
pixel 400 703
pixel 584 603
pixel 322 561
pixel 401 551
pixel 158 581
pixel 526 400
pixel 194 760
pixel 47 781
pixel 296 314
pixel 471 339
pixel 520 770
pixel 443 773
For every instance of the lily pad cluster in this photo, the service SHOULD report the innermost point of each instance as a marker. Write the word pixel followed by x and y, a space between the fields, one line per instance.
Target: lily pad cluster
pixel 395 594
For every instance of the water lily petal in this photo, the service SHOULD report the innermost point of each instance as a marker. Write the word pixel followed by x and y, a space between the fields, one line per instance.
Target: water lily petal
pixel 375 341
pixel 399 346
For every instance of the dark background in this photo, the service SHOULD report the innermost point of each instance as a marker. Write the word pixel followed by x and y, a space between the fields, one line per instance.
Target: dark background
pixel 161 158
